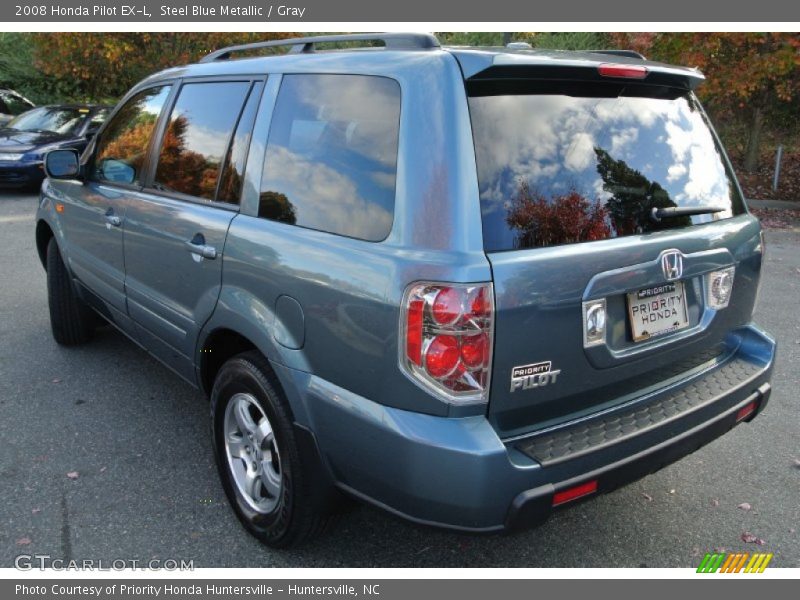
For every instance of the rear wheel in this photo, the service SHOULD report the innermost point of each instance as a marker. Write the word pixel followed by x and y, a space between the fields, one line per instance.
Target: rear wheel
pixel 71 320
pixel 272 490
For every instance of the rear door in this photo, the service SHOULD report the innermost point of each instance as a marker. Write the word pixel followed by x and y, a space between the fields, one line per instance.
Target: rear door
pixel 175 229
pixel 598 298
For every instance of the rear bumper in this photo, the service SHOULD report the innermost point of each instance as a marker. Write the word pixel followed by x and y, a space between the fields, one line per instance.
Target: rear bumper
pixel 458 474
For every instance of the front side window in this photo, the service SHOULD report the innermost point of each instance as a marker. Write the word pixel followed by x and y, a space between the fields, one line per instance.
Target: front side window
pixel 197 136
pixel 557 169
pixel 122 148
pixel 331 157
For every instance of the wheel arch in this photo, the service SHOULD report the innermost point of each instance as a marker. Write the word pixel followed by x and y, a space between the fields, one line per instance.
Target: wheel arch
pixel 44 233
pixel 241 321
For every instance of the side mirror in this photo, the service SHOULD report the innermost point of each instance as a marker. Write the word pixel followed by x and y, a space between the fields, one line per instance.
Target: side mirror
pixel 62 164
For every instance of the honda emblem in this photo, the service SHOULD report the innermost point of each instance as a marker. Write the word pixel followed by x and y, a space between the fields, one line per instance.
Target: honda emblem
pixel 672 265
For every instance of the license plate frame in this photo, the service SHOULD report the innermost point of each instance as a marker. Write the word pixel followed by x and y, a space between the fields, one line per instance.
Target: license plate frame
pixel 649 301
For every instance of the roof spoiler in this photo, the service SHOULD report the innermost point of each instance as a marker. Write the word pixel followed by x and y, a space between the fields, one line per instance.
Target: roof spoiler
pixel 586 67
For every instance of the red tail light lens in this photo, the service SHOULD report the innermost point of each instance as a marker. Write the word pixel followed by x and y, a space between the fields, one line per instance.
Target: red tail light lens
pixel 623 71
pixel 446 339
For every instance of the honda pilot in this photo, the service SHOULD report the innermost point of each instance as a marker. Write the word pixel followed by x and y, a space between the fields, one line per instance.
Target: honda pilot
pixel 470 286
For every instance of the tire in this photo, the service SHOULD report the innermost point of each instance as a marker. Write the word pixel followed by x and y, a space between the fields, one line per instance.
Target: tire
pixel 71 320
pixel 287 507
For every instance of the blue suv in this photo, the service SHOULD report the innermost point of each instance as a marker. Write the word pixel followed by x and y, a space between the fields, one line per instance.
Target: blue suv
pixel 468 285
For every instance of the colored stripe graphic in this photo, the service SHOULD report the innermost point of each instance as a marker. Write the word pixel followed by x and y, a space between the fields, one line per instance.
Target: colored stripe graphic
pixel 734 563
pixel 741 562
pixel 726 566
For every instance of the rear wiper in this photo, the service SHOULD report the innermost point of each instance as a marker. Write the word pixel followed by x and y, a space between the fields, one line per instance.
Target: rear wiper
pixel 683 211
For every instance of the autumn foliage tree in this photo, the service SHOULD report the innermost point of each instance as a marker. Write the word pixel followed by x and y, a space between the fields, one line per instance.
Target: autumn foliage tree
pixel 562 219
pixel 749 75
pixel 103 66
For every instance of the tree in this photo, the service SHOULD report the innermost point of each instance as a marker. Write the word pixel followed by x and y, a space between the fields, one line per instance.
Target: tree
pixel 276 206
pixel 633 197
pixel 103 66
pixel 561 219
pixel 749 75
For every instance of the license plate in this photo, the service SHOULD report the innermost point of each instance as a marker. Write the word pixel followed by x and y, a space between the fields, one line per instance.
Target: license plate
pixel 657 310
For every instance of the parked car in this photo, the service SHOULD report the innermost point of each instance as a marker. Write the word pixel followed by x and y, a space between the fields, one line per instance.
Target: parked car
pixel 468 286
pixel 26 138
pixel 12 104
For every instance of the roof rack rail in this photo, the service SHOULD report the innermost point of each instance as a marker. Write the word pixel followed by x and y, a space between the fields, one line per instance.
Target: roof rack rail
pixel 628 53
pixel 392 41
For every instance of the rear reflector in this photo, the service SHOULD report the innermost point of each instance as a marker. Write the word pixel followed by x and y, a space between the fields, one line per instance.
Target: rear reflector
pixel 573 493
pixel 624 71
pixel 746 411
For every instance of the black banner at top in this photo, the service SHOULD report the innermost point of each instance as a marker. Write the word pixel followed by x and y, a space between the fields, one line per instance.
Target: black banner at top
pixel 712 12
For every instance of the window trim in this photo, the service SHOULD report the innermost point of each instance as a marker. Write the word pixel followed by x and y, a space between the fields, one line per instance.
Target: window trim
pixel 161 127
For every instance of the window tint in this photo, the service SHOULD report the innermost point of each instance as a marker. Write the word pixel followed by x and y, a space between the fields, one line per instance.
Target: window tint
pixel 559 169
pixel 15 104
pixel 122 148
pixel 230 186
pixel 331 156
pixel 197 136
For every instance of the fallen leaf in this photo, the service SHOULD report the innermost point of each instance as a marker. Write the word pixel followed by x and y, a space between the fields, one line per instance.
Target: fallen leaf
pixel 749 538
pixel 24 541
pixel 745 506
pixel 36 511
pixel 797 460
pixel 672 491
pixel 714 502
pixel 102 469
pixel 72 475
pixel 792 530
pixel 647 496
pixel 56 380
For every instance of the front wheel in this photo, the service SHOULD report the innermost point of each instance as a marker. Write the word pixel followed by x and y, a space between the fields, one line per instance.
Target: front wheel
pixel 269 486
pixel 71 320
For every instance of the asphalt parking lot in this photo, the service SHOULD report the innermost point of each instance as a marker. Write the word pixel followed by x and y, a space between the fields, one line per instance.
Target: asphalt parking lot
pixel 146 486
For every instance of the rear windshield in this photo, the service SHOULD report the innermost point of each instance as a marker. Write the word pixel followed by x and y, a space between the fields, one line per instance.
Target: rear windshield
pixel 561 169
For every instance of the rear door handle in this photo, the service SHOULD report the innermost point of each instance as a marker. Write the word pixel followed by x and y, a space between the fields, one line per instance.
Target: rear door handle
pixel 112 219
pixel 198 247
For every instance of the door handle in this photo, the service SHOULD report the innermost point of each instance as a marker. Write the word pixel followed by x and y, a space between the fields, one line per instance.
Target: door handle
pixel 199 249
pixel 112 219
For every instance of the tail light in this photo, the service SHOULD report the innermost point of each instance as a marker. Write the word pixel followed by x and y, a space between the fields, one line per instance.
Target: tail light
pixel 446 339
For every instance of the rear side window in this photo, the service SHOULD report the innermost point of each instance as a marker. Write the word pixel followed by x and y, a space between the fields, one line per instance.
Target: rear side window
pixel 560 169
pixel 331 157
pixel 122 148
pixel 197 135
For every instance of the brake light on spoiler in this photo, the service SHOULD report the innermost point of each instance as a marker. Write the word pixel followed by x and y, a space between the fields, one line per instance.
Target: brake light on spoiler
pixel 622 71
